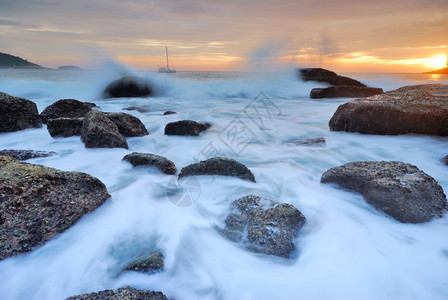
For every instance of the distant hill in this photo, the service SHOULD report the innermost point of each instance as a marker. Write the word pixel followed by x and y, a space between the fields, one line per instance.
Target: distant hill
pixel 11 61
pixel 441 71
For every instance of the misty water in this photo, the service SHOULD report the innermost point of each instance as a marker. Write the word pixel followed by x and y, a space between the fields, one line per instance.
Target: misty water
pixel 346 250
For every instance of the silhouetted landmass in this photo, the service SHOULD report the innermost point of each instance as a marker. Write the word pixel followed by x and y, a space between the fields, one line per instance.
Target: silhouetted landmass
pixel 441 71
pixel 69 68
pixel 11 61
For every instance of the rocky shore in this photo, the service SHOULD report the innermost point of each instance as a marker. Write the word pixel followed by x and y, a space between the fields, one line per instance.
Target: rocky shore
pixel 37 203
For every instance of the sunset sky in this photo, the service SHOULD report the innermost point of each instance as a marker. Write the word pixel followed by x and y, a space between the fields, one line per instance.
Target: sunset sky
pixel 344 35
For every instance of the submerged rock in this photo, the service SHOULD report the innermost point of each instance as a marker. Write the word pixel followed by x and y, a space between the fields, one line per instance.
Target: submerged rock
pixel 126 293
pixel 128 125
pixel 326 76
pixel 151 263
pixel 344 91
pixel 65 127
pixel 308 142
pixel 169 112
pixel 398 189
pixel 128 87
pixel 98 131
pixel 264 226
pixel 66 108
pixel 445 160
pixel 186 127
pixel 25 154
pixel 421 109
pixel 142 109
pixel 37 203
pixel 17 114
pixel 218 166
pixel 146 159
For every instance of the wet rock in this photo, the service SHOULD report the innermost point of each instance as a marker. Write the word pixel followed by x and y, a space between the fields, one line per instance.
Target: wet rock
pixel 128 87
pixel 151 263
pixel 126 293
pixel 17 114
pixel 308 142
pixel 326 76
pixel 37 203
pixel 421 109
pixel 128 125
pixel 65 127
pixel 169 112
pixel 344 91
pixel 66 108
pixel 445 160
pixel 25 154
pixel 218 166
pixel 264 226
pixel 186 127
pixel 398 189
pixel 98 131
pixel 142 109
pixel 146 159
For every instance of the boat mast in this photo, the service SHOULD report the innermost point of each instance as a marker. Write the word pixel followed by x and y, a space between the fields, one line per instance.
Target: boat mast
pixel 167 65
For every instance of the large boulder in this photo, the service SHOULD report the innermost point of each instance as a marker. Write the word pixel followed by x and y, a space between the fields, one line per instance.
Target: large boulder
pixel 185 127
pixel 218 166
pixel 398 189
pixel 65 127
pixel 264 226
pixel 17 114
pixel 419 109
pixel 128 125
pixel 344 91
pixel 126 293
pixel 25 154
pixel 151 263
pixel 146 159
pixel 326 76
pixel 98 131
pixel 128 87
pixel 66 108
pixel 37 203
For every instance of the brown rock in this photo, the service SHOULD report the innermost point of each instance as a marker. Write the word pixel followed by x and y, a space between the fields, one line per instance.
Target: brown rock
pixel 421 109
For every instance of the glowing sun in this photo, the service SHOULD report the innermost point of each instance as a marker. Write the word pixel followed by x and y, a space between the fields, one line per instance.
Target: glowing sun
pixel 437 62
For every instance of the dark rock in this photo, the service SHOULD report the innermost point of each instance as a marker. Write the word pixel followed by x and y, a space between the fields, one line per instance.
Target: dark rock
pixel 398 189
pixel 25 154
pixel 169 112
pixel 419 109
pixel 344 91
pixel 98 131
pixel 186 127
pixel 128 125
pixel 326 76
pixel 128 87
pixel 37 203
pixel 151 263
pixel 66 108
pixel 445 160
pixel 146 159
pixel 264 226
pixel 17 114
pixel 142 109
pixel 218 166
pixel 307 142
pixel 126 293
pixel 65 127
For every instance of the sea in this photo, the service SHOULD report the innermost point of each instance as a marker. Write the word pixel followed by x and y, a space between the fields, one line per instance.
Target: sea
pixel 346 250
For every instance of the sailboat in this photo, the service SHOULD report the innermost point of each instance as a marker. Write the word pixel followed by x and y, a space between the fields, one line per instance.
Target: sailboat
pixel 167 69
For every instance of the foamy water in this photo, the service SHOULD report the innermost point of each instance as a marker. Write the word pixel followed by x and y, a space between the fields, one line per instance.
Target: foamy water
pixel 346 250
